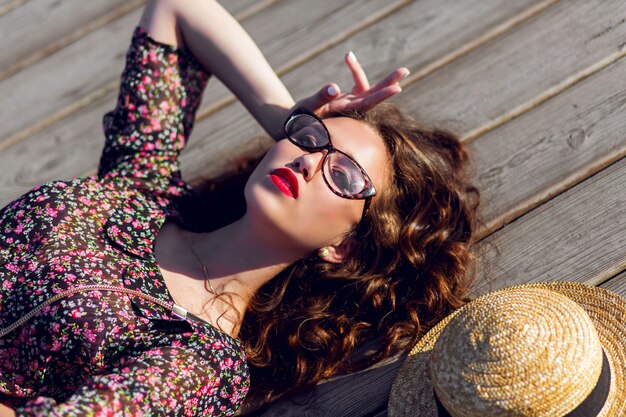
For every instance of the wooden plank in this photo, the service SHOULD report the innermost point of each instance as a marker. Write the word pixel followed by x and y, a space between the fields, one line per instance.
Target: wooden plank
pixel 559 143
pixel 414 36
pixel 24 46
pixel 243 9
pixel 88 152
pixel 39 28
pixel 64 77
pixel 364 393
pixel 578 236
pixel 7 5
pixel 520 66
pixel 299 37
pixel 617 284
pixel 91 67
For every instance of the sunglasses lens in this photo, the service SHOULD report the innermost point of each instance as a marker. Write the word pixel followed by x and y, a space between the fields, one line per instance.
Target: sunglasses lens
pixel 306 131
pixel 343 175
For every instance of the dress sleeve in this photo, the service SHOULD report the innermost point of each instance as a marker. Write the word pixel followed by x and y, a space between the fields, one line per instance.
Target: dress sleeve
pixel 161 88
pixel 160 382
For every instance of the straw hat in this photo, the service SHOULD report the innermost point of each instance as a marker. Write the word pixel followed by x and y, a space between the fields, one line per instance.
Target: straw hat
pixel 546 349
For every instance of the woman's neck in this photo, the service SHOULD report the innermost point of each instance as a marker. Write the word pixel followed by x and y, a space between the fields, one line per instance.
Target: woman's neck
pixel 238 260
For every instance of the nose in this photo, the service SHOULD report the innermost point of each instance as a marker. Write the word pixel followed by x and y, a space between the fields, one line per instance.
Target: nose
pixel 309 164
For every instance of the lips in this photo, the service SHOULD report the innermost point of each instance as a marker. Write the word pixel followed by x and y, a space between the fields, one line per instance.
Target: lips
pixel 286 181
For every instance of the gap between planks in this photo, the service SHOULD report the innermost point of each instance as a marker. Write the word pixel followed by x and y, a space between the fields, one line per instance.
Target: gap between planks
pixel 204 113
pixel 99 23
pixel 476 43
pixel 14 4
pixel 101 92
pixel 303 58
pixel 72 37
pixel 498 223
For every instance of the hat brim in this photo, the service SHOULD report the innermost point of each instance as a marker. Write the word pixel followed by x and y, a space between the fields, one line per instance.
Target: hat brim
pixel 412 393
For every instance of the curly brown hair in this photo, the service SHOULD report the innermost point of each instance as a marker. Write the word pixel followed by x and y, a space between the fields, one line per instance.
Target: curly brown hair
pixel 411 263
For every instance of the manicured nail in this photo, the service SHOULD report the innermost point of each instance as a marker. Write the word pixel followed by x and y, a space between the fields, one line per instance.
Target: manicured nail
pixel 352 57
pixel 405 72
pixel 332 91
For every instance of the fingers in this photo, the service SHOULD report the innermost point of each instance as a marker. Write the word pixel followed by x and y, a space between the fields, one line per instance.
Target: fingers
pixel 393 78
pixel 361 83
pixel 377 96
pixel 325 95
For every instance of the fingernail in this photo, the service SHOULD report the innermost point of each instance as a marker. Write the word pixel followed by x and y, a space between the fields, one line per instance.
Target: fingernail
pixel 332 91
pixel 406 72
pixel 351 56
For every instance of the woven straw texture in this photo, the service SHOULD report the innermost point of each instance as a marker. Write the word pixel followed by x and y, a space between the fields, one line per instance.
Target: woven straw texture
pixel 548 377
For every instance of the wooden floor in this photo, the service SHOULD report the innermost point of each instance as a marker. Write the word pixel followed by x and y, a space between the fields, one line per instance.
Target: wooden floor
pixel 536 88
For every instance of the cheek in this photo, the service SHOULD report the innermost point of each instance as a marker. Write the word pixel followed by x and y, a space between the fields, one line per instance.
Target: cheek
pixel 331 211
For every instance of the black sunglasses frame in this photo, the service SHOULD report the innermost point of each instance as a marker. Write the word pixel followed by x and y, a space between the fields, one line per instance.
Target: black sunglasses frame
pixel 369 190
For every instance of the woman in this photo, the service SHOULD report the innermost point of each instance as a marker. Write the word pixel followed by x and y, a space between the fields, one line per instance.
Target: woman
pixel 356 227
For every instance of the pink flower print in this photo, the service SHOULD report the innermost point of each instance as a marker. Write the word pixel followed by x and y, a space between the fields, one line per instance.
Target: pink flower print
pixel 7 285
pixel 56 346
pixel 146 79
pixel 152 55
pixel 136 224
pixel 90 336
pixel 33 365
pixel 155 123
pixel 165 106
pixel 148 146
pixel 132 117
pixel 141 88
pixel 76 313
pixel 12 267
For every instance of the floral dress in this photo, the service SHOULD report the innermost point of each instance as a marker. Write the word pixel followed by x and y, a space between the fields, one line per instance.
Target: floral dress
pixel 102 353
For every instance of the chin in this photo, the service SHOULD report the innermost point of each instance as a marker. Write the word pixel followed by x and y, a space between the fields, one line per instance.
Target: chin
pixel 271 214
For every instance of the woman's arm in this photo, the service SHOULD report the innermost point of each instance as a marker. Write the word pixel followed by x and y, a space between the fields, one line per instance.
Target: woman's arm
pixel 6 411
pixel 226 50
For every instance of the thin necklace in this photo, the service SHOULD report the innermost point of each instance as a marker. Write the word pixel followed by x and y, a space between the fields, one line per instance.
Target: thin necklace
pixel 206 274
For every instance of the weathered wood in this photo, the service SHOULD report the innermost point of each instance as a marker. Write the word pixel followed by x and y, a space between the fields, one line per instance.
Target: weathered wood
pixel 547 150
pixel 7 5
pixel 518 67
pixel 578 236
pixel 299 40
pixel 413 36
pixel 363 393
pixel 90 68
pixel 23 46
pixel 617 284
pixel 71 140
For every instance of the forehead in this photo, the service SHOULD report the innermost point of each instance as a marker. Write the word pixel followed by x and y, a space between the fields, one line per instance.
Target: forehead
pixel 362 143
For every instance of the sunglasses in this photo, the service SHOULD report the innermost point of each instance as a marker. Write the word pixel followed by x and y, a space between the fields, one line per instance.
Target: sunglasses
pixel 342 174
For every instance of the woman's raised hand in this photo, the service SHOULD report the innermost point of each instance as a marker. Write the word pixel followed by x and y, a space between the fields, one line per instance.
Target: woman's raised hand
pixel 330 99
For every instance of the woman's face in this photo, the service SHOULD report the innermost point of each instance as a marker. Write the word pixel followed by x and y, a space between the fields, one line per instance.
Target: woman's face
pixel 315 217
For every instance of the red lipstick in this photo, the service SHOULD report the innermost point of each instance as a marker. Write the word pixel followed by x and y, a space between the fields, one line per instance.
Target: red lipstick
pixel 286 181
